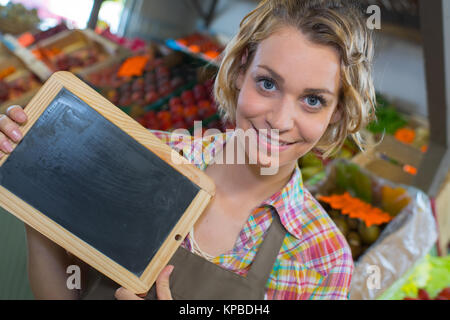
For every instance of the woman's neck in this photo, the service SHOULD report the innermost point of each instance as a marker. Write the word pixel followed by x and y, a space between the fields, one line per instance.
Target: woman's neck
pixel 245 181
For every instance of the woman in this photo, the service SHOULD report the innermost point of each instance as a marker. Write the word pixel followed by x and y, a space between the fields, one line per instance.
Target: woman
pixel 298 73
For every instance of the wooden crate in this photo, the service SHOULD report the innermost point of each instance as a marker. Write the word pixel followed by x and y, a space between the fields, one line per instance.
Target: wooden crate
pixel 374 161
pixel 21 71
pixel 70 41
pixel 388 158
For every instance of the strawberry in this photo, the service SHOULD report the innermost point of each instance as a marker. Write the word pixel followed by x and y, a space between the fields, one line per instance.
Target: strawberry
pixel 445 294
pixel 423 294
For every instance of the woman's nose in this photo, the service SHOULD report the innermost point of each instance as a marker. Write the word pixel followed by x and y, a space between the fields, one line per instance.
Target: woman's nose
pixel 282 117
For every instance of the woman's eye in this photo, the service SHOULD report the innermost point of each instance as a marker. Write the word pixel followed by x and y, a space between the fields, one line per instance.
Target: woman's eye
pixel 312 101
pixel 267 85
pixel 315 101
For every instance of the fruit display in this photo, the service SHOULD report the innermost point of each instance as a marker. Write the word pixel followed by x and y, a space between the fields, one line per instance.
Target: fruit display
pixel 70 50
pixel 181 111
pixel 359 222
pixel 388 118
pixel 313 163
pixel 198 44
pixel 15 79
pixel 423 295
pixel 310 165
pixel 77 60
pixel 13 89
pixel 156 81
pixel 16 19
pixel 360 213
pixel 57 60
pixel 27 39
pixel 394 123
pixel 134 44
pixel 428 279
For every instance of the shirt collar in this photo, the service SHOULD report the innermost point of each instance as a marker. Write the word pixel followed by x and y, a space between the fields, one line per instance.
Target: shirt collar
pixel 287 202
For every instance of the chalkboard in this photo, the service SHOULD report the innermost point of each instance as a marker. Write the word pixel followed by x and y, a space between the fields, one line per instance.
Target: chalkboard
pixel 83 173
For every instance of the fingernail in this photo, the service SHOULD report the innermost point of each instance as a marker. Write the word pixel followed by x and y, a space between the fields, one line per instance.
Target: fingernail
pixel 7 146
pixel 11 107
pixel 22 117
pixel 16 136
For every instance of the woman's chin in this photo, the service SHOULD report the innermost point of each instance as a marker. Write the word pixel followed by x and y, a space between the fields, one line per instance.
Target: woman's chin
pixel 263 160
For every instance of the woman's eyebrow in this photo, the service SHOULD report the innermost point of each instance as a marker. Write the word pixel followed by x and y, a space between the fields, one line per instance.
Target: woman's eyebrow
pixel 317 91
pixel 274 75
pixel 280 80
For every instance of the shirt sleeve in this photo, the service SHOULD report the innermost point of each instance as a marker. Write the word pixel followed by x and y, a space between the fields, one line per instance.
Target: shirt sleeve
pixel 176 142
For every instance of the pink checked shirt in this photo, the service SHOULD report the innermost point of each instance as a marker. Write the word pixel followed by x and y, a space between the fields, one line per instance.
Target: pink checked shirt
pixel 314 261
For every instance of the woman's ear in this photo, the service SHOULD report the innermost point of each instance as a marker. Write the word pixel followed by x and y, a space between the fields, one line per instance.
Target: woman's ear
pixel 337 115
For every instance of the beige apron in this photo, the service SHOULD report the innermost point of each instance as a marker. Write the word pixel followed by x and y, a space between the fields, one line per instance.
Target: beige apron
pixel 195 278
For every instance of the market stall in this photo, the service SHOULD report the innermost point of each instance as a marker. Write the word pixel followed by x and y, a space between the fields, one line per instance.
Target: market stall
pixel 390 202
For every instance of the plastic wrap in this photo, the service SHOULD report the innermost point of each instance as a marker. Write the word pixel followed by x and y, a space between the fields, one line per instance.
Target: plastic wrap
pixel 403 242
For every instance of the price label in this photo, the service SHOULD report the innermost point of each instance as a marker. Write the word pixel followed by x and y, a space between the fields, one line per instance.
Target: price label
pixel 133 66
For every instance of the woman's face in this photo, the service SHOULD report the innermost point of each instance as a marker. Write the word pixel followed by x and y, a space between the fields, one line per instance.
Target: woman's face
pixel 291 85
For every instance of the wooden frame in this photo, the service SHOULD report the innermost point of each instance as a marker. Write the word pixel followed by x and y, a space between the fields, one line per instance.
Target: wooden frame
pixel 77 246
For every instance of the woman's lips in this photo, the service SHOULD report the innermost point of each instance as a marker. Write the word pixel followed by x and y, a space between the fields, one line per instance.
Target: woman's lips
pixel 271 139
pixel 271 143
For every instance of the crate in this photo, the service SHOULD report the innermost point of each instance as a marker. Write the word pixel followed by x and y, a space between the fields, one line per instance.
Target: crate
pixel 121 56
pixel 69 42
pixel 392 159
pixel 21 72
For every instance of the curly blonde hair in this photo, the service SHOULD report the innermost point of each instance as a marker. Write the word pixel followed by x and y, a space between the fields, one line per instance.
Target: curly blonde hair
pixel 336 23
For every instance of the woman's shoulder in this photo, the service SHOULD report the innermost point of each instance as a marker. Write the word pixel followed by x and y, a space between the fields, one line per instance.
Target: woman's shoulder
pixel 323 246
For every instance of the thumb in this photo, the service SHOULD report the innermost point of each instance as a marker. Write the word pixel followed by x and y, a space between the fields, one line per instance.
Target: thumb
pixel 162 284
pixel 125 294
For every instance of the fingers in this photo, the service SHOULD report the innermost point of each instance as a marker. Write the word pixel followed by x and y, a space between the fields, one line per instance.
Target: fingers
pixel 162 284
pixel 10 128
pixel 162 288
pixel 17 114
pixel 5 144
pixel 125 294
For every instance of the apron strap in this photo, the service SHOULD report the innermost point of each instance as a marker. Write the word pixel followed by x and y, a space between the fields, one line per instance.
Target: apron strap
pixel 266 255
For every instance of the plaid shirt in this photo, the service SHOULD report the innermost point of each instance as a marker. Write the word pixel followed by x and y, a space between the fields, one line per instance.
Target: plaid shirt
pixel 314 262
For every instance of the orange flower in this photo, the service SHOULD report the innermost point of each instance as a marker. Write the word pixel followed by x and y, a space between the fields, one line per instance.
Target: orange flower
pixel 405 135
pixel 356 208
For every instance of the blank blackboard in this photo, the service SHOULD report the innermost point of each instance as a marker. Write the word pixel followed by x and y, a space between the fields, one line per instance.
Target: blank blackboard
pixel 95 181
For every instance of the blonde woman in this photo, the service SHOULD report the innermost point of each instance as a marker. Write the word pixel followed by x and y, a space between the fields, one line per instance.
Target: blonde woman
pixel 298 73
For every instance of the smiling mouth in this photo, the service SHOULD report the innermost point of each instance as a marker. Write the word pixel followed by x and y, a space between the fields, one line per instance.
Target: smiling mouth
pixel 269 140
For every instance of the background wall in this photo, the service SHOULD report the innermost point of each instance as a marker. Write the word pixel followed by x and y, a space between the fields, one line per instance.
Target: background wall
pixel 158 20
pixel 399 72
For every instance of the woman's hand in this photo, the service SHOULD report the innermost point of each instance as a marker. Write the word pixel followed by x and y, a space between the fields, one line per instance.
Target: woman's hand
pixel 162 288
pixel 9 128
